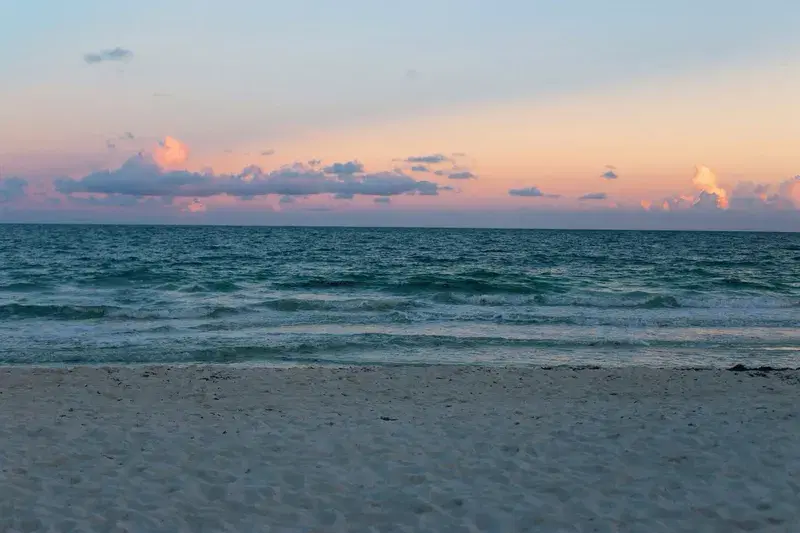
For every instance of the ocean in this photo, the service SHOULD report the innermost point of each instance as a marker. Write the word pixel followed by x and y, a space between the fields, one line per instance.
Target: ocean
pixel 266 295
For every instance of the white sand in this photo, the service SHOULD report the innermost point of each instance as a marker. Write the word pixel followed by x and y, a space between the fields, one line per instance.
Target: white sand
pixel 401 449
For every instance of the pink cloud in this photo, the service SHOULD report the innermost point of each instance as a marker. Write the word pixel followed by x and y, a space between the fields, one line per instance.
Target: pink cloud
pixel 170 153
pixel 706 181
pixel 195 206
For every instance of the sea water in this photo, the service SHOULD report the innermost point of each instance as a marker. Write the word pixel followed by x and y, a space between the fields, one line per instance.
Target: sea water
pixel 147 294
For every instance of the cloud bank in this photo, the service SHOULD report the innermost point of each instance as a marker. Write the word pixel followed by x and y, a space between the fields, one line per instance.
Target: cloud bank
pixel 114 54
pixel 145 175
pixel 594 196
pixel 345 169
pixel 609 175
pixel 465 175
pixel 745 196
pixel 12 189
pixel 157 183
pixel 430 159
pixel 531 192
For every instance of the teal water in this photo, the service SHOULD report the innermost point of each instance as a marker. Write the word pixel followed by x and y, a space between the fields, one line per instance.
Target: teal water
pixel 109 294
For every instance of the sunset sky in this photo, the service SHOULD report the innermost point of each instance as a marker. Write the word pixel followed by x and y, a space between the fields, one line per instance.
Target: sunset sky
pixel 575 113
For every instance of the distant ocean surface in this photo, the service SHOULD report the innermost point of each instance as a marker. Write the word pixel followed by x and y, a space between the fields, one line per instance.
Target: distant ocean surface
pixel 129 294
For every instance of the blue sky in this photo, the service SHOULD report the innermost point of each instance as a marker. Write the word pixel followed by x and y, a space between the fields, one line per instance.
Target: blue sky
pixel 312 61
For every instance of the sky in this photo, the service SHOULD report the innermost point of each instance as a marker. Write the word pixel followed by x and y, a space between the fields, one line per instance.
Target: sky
pixel 515 113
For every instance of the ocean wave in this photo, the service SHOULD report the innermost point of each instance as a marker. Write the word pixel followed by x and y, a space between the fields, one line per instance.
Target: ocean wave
pixel 621 300
pixel 465 284
pixel 659 302
pixel 638 320
pixel 313 343
pixel 149 313
pixel 348 305
pixel 696 300
pixel 595 300
pixel 606 300
pixel 625 317
pixel 634 309
pixel 327 283
pixel 56 312
pixel 303 348
pixel 726 263
pixel 223 311
pixel 130 276
pixel 212 286
pixel 367 347
pixel 479 281
pixel 487 300
pixel 109 312
pixel 23 286
pixel 744 284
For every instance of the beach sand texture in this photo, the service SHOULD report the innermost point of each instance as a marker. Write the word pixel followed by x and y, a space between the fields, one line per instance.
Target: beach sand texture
pixel 439 449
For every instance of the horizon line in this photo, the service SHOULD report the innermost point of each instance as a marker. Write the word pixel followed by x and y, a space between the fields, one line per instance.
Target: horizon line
pixel 372 227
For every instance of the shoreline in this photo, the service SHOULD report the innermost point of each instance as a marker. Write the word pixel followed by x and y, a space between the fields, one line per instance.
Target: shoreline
pixel 738 367
pixel 214 447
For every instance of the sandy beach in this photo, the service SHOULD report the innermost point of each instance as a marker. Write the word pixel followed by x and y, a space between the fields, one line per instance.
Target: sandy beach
pixel 439 449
